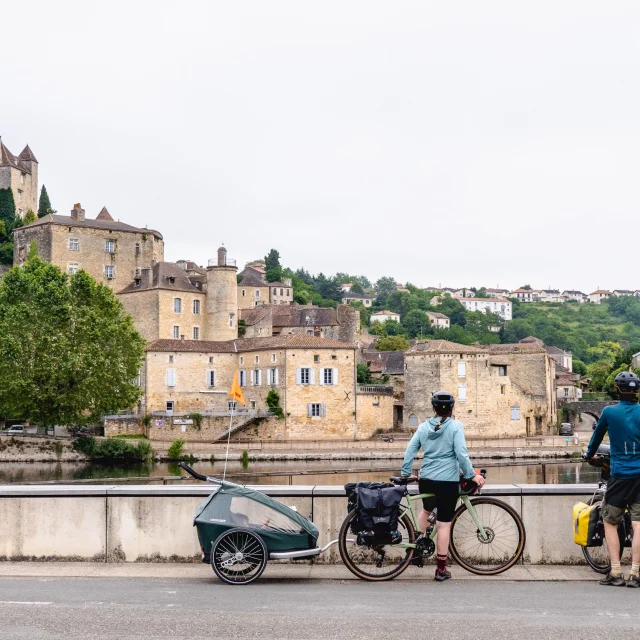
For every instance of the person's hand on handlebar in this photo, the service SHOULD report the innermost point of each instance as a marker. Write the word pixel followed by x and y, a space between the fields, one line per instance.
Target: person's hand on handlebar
pixel 479 480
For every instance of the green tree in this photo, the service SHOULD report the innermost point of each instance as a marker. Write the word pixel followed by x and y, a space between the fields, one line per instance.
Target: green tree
pixel 33 250
pixel 44 206
pixel 364 374
pixel 384 287
pixel 417 323
pixel 272 259
pixel 29 217
pixel 357 287
pixel 526 287
pixel 68 352
pixel 7 209
pixel 598 372
pixel 392 343
pixel 481 292
pixel 579 367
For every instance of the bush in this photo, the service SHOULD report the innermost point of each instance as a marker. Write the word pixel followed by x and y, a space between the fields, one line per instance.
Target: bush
pixel 114 449
pixel 273 402
pixel 364 374
pixel 85 444
pixel 245 459
pixel 175 450
pixel 197 420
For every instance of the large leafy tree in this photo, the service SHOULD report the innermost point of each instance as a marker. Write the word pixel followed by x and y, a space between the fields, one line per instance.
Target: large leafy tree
pixel 8 222
pixel 68 352
pixel 384 288
pixel 44 206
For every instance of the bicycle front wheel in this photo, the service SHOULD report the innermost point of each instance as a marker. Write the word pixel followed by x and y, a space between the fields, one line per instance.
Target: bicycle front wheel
pixel 380 562
pixel 499 550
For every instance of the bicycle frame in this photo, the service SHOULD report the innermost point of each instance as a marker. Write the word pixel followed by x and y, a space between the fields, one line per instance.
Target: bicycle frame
pixel 409 507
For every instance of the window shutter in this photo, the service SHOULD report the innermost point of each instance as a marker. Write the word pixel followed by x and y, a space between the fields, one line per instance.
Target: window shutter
pixel 312 376
pixel 462 369
pixel 171 377
pixel 253 376
pixel 321 381
pixel 276 376
pixel 335 376
pixel 298 376
pixel 462 392
pixel 323 410
pixel 258 377
pixel 308 411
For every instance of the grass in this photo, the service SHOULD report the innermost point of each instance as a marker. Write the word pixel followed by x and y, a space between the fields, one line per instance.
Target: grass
pixel 132 436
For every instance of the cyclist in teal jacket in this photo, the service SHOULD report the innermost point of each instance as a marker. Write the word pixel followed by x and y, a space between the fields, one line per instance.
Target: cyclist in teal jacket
pixel 622 422
pixel 446 458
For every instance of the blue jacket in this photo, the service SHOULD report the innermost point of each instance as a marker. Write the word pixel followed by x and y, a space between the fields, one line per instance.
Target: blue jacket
pixel 622 421
pixel 445 451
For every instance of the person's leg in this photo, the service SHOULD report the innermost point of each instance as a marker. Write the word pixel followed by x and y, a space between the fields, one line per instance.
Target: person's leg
pixel 613 543
pixel 423 520
pixel 634 577
pixel 612 516
pixel 442 538
pixel 446 502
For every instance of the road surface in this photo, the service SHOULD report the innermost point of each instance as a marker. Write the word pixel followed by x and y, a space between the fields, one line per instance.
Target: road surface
pixel 125 608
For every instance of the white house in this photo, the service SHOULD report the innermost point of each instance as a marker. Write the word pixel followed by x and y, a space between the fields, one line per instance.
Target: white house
pixel 570 294
pixel 346 287
pixel 463 293
pixel 497 293
pixel 599 295
pixel 550 295
pixel 623 292
pixel 525 295
pixel 499 306
pixel 439 320
pixel 366 299
pixel 383 316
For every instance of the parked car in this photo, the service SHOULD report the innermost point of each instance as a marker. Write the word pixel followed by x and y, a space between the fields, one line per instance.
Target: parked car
pixel 15 430
pixel 566 429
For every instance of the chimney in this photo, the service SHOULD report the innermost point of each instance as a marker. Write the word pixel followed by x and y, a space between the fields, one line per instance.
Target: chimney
pixel 146 277
pixel 77 213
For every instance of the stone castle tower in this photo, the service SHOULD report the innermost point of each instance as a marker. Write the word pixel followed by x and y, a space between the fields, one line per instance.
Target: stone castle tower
pixel 20 174
pixel 222 298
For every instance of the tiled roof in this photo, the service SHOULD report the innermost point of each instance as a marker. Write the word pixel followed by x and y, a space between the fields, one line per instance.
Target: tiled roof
pixel 27 155
pixel 278 284
pixel 600 291
pixel 573 293
pixel 385 313
pixel 165 275
pixel 252 316
pixel 554 350
pixel 357 296
pixel 285 316
pixel 527 347
pixel 531 339
pixel 298 341
pixel 111 225
pixel 625 291
pixel 498 290
pixel 485 299
pixel 189 265
pixel 250 279
pixel 17 162
pixel 437 315
pixel 443 346
pixel 385 362
pixel 104 215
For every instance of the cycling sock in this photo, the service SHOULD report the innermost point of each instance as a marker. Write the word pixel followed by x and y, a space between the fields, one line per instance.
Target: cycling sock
pixel 442 563
pixel 616 570
pixel 635 569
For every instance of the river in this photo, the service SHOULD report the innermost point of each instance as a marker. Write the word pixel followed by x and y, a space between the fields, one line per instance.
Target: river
pixel 337 472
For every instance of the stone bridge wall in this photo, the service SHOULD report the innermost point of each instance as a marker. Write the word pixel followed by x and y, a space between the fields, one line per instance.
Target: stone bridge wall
pixel 592 407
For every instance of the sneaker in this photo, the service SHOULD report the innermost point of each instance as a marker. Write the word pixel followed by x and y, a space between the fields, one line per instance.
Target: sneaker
pixel 633 581
pixel 613 581
pixel 442 575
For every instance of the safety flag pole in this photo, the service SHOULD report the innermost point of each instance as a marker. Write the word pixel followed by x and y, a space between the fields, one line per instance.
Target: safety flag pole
pixel 235 393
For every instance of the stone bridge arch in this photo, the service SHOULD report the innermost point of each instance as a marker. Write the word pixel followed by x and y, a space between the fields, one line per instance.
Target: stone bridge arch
pixel 591 407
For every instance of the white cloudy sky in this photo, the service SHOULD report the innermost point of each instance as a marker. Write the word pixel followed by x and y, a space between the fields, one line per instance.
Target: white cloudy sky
pixel 468 143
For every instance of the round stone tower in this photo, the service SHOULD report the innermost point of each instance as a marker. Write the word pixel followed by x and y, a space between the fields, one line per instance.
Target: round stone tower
pixel 222 298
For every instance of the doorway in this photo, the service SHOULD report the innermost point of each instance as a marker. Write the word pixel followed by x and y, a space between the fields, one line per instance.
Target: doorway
pixel 398 416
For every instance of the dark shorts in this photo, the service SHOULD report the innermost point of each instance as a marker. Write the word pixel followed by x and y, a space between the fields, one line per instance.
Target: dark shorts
pixel 621 494
pixel 445 498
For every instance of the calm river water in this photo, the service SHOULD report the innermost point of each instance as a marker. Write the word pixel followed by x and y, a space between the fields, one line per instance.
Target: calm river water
pixel 324 472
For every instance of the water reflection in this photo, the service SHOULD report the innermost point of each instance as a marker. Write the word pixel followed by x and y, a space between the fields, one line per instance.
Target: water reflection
pixel 335 472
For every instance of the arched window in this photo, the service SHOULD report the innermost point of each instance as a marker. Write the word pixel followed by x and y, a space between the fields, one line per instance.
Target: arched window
pixel 413 420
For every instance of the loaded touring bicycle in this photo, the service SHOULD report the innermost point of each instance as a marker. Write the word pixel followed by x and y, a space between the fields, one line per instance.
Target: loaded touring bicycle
pixel 241 529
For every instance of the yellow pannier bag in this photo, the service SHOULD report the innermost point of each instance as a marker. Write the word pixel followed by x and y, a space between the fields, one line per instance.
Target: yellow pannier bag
pixel 588 530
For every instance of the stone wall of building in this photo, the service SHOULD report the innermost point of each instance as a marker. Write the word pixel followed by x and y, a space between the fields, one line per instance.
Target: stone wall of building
pixel 250 296
pixel 222 303
pixel 261 329
pixel 374 413
pixel 520 403
pixel 24 186
pixel 41 235
pixel 185 320
pixel 349 319
pixel 281 295
pixel 143 306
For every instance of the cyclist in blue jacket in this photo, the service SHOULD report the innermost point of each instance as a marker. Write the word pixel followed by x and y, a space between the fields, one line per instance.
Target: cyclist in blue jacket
pixel 446 458
pixel 622 421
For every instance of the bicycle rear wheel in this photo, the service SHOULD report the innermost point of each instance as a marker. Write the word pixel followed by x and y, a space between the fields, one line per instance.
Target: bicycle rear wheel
pixel 505 540
pixel 382 562
pixel 598 557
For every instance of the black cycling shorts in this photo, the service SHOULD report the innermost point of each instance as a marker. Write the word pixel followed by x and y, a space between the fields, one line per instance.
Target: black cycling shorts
pixel 622 493
pixel 445 498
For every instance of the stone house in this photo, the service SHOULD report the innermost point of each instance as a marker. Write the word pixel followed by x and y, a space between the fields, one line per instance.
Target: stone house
pixel 314 377
pixel 20 174
pixel 252 290
pixel 112 252
pixel 500 390
pixel 499 306
pixel 551 295
pixel 567 385
pixel 596 297
pixel 383 316
pixel 281 292
pixel 439 320
pixel 366 298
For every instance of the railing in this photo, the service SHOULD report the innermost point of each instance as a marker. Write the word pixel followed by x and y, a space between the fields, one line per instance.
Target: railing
pixel 244 413
pixel 229 262
pixel 376 389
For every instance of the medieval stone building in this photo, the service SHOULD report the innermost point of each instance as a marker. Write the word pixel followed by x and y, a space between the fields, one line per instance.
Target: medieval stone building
pixel 20 174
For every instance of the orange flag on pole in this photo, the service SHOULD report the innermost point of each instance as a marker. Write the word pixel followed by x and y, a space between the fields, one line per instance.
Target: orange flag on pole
pixel 236 390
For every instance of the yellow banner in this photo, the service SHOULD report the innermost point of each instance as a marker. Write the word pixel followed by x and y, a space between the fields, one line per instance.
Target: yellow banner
pixel 236 390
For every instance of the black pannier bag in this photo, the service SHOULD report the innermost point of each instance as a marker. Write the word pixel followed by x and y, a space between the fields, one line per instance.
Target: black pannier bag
pixel 378 508
pixel 352 501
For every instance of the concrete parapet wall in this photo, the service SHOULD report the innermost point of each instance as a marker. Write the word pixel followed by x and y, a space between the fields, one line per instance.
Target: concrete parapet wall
pixel 154 523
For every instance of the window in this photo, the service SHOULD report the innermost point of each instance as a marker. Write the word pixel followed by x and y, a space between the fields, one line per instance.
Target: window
pixel 327 376
pixel 256 359
pixel 244 293
pixel 316 358
pixel 137 248
pixel 515 413
pixel 231 320
pixel 257 293
pixel 288 292
pixel 170 358
pixel 233 405
pixel 177 305
pixel 275 291
pixel 19 195
pixel 566 392
pixel 316 410
pixel 196 307
pixel 252 405
pixel 413 420
pixel 196 333
pixel 304 375
pixel 256 377
pixel 171 377
pixel 109 271
pixel 334 357
pixel 211 378
pixel 272 375
pixel 462 392
pixel 72 267
pixel 74 244
pixel 243 378
pixel 241 359
pixel 281 292
pixel 503 389
pixel 210 359
pixel 502 370
pixel 22 178
pixel 176 332
pixel 169 407
pixel 462 369
pixel 110 246
pixel 273 357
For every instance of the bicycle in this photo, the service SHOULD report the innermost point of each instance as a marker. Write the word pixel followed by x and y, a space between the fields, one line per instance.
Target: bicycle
pixel 487 538
pixel 598 557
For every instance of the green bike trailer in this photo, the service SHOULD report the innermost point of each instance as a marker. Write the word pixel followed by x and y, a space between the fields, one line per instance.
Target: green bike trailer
pixel 240 529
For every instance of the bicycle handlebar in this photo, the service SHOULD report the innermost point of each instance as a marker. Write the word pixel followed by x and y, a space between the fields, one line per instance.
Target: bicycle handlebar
pixel 198 476
pixel 467 487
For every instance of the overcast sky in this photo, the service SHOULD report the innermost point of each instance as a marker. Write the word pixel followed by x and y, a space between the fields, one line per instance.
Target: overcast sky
pixel 465 143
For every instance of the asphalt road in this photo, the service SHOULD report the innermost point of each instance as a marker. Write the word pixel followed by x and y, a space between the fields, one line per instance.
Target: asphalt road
pixel 110 608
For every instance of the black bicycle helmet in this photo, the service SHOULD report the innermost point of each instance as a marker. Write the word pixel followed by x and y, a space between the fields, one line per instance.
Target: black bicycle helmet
pixel 627 382
pixel 442 400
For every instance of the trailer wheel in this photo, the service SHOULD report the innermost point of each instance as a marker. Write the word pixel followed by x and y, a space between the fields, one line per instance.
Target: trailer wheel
pixel 238 556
